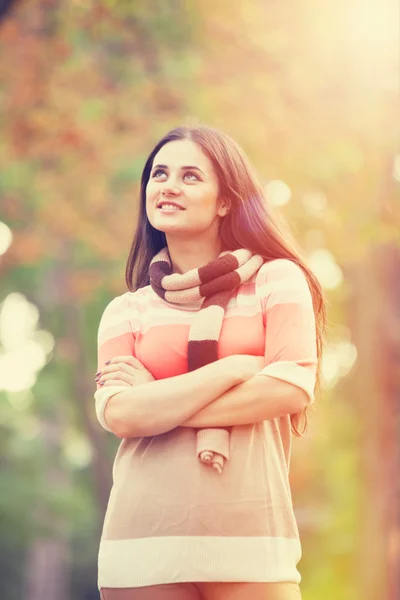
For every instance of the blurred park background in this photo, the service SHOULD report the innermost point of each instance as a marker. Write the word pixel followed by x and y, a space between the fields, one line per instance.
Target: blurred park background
pixel 310 90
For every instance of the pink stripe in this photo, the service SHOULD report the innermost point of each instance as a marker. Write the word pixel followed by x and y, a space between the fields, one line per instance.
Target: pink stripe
pixel 290 334
pixel 122 345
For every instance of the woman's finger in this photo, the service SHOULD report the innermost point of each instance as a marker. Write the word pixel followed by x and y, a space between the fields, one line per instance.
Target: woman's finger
pixel 130 360
pixel 119 371
pixel 115 367
pixel 127 369
pixel 115 382
pixel 122 366
pixel 118 375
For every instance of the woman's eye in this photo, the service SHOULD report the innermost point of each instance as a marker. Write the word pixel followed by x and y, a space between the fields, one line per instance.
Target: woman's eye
pixel 190 173
pixel 158 171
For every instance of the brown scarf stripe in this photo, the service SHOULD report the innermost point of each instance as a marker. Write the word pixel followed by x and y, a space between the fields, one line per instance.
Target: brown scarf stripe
pixel 225 264
pixel 220 299
pixel 200 352
pixel 229 281
pixel 157 269
pixel 215 283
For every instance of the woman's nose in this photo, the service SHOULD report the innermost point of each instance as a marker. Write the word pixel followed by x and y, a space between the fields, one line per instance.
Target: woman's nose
pixel 170 189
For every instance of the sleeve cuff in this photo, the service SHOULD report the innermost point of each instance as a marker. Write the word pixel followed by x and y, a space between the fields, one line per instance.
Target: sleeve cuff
pixel 293 373
pixel 101 397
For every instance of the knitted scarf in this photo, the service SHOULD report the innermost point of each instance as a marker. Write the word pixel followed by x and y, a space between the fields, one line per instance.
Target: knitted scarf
pixel 209 288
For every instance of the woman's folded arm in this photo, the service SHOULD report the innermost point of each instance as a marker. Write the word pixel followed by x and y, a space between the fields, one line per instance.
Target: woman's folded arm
pixel 159 406
pixel 259 399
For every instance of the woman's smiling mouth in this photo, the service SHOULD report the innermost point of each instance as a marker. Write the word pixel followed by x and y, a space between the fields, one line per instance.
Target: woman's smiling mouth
pixel 169 207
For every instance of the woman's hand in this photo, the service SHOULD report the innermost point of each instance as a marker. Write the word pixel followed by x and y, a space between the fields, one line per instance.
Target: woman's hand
pixel 123 370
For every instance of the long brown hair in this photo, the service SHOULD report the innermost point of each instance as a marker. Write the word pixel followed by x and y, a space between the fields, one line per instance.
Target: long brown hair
pixel 250 223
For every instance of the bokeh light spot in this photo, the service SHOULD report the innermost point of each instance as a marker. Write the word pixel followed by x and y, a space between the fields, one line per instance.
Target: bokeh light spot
pixel 278 192
pixel 323 263
pixel 6 238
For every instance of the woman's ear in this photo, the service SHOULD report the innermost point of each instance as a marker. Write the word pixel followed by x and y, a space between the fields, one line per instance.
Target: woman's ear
pixel 224 207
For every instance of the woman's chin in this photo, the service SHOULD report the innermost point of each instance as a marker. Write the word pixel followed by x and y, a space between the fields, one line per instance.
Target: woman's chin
pixel 171 229
pixel 165 224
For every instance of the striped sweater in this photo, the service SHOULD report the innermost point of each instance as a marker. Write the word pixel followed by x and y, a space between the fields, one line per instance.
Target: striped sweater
pixel 170 518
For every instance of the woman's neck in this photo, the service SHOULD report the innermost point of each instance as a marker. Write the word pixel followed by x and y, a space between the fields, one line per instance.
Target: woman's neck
pixel 188 256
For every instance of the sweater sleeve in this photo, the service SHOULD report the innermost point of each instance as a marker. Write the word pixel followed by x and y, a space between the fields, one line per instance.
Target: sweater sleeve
pixel 115 338
pixel 290 328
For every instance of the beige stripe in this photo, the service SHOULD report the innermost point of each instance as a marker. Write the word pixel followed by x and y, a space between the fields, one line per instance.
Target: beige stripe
pixel 153 561
pixel 184 296
pixel 281 267
pixel 178 281
pixel 242 255
pixel 122 317
pixel 162 256
pixel 185 318
pixel 250 267
pixel 284 293
pixel 293 373
pixel 149 301
pixel 207 324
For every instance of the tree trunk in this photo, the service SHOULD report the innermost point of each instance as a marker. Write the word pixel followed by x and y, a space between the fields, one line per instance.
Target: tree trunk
pixel 48 558
pixel 375 322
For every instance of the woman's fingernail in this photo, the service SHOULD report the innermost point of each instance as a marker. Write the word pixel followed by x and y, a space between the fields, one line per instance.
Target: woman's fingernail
pixel 102 382
pixel 107 362
pixel 98 373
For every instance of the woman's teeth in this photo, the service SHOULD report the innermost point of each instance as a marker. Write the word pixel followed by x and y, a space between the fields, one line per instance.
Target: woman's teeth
pixel 169 207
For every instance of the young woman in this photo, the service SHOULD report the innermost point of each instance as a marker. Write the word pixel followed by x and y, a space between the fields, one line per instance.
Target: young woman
pixel 206 367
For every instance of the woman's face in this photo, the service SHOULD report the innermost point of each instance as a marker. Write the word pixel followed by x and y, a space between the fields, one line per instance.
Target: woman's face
pixel 184 175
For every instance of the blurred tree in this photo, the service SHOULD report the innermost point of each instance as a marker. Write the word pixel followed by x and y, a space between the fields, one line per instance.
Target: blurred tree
pixel 375 320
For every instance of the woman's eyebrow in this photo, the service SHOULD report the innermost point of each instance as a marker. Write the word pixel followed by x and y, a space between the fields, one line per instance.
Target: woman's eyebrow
pixel 192 167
